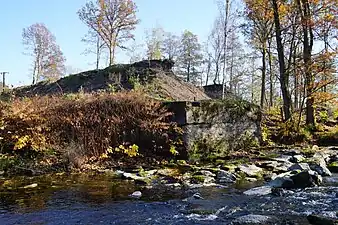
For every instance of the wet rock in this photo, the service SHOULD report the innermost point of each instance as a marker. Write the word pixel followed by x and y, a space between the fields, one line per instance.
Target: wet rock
pixel 299 166
pixel 136 194
pixel 197 196
pixel 225 177
pixel 305 179
pixel 254 219
pixel 250 170
pixel 283 158
pixel 259 191
pixel 205 173
pixel 201 179
pixel 321 220
pixel 333 167
pixel 299 180
pixel 250 179
pixel 136 178
pixel 319 165
pixel 297 159
pixel 30 186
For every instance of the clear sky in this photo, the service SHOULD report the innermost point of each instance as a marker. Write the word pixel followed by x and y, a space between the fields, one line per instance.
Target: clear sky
pixel 61 19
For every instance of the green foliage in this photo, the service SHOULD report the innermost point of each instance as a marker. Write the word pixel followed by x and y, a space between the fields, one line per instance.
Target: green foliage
pixel 324 117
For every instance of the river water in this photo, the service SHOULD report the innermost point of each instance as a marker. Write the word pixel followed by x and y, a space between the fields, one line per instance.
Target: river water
pixel 99 199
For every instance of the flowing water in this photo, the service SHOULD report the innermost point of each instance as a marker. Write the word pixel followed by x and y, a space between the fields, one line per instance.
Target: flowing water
pixel 100 199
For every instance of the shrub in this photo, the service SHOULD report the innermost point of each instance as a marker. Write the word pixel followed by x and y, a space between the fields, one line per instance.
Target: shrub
pixel 94 123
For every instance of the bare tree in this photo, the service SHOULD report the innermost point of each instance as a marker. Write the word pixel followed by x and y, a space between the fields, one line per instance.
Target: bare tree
pixel 170 46
pixel 93 39
pixel 48 59
pixel 154 40
pixel 112 20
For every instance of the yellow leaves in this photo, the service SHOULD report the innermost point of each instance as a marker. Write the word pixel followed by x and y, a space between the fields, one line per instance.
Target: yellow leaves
pixel 21 142
pixel 131 151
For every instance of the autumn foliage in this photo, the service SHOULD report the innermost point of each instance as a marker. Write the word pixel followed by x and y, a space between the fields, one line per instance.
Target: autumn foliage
pixel 99 124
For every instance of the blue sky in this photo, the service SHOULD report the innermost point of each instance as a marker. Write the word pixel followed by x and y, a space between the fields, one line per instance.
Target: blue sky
pixel 61 19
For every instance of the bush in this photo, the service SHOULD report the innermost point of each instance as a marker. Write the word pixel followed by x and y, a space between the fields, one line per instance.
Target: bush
pixel 94 123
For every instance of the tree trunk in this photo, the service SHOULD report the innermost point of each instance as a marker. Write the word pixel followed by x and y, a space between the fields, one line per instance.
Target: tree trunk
pixel 263 76
pixel 304 10
pixel 98 52
pixel 271 75
pixel 282 69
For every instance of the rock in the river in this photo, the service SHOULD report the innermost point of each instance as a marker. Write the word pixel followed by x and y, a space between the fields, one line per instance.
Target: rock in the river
pixel 333 167
pixel 136 194
pixel 321 220
pixel 319 165
pixel 302 179
pixel 201 179
pixel 30 186
pixel 252 219
pixel 225 177
pixel 259 191
pixel 299 166
pixel 136 178
pixel 205 173
pixel 297 159
pixel 251 170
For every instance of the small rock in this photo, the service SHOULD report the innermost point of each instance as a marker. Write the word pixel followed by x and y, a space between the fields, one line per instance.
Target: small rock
pixel 299 166
pixel 136 178
pixel 297 159
pixel 136 194
pixel 31 186
pixel 321 220
pixel 319 165
pixel 250 170
pixel 250 179
pixel 197 196
pixel 225 177
pixel 254 219
pixel 258 191
pixel 333 167
pixel 206 173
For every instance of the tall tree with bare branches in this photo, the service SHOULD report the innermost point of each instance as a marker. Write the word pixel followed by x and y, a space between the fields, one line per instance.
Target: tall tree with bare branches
pixel 48 59
pixel 112 20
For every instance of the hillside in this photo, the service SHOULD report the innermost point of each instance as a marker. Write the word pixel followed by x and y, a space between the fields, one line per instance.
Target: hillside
pixel 155 76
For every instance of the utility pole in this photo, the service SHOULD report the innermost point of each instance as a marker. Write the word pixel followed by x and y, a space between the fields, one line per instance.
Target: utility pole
pixel 4 80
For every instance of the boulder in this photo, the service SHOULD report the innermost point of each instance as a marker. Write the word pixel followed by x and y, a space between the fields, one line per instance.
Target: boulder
pixel 259 191
pixel 303 179
pixel 299 166
pixel 321 220
pixel 318 164
pixel 297 159
pixel 250 170
pixel 225 177
pixel 333 167
pixel 252 219
pixel 136 178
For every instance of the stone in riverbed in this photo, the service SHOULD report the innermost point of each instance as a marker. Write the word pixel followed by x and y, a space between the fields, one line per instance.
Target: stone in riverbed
pixel 333 167
pixel 136 194
pixel 259 191
pixel 297 159
pixel 318 164
pixel 252 219
pixel 251 170
pixel 321 220
pixel 225 177
pixel 299 166
pixel 299 180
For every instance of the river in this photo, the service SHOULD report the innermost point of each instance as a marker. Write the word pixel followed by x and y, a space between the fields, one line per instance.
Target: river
pixel 100 199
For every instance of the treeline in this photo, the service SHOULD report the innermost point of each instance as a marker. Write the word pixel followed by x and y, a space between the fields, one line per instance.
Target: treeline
pixel 271 52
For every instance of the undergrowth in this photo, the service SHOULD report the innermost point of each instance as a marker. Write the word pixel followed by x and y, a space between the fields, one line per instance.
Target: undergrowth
pixel 100 125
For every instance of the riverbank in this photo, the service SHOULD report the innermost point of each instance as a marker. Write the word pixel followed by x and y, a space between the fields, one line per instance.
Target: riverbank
pixel 259 189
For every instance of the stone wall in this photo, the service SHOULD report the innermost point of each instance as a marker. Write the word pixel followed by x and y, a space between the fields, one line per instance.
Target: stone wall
pixel 213 128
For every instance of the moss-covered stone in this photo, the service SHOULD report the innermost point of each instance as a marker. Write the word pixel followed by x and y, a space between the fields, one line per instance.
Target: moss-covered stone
pixel 333 167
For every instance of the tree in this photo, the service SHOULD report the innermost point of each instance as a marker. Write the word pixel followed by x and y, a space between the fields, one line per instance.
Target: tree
pixel 170 46
pixel 283 75
pixel 48 59
pixel 112 20
pixel 94 39
pixel 154 43
pixel 190 56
